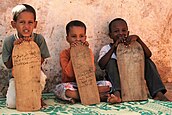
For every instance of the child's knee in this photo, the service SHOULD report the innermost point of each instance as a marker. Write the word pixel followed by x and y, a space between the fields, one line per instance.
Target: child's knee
pixel 11 99
pixel 10 103
pixel 11 95
pixel 43 80
pixel 72 94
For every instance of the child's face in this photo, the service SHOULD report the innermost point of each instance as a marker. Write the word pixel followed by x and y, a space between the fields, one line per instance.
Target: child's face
pixel 25 24
pixel 118 29
pixel 76 33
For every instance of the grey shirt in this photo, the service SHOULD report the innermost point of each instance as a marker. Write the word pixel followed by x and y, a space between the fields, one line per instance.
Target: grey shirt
pixel 9 44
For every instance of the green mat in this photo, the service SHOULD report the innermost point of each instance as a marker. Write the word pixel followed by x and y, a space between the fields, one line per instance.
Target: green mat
pixel 58 107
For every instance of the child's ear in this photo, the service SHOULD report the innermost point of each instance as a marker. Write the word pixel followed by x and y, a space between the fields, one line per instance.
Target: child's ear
pixel 67 39
pixel 13 24
pixel 85 37
pixel 110 35
pixel 128 33
pixel 35 24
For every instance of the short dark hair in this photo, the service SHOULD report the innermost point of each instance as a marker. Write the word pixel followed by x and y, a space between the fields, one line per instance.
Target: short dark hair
pixel 114 20
pixel 28 9
pixel 74 23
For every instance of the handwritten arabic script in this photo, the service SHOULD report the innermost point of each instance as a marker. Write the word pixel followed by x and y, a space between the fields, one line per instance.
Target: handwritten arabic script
pixel 26 58
pixel 26 55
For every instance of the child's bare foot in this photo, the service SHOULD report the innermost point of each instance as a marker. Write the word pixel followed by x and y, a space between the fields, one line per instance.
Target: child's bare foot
pixel 161 97
pixel 73 101
pixel 113 99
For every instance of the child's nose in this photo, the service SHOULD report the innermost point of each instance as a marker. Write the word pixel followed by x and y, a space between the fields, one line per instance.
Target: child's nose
pixel 121 32
pixel 26 25
pixel 78 38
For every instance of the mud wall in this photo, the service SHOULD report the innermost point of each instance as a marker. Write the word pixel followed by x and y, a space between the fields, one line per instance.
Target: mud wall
pixel 150 19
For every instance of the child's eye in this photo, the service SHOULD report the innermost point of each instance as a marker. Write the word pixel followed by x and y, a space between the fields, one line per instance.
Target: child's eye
pixel 124 30
pixel 22 22
pixel 116 31
pixel 30 22
pixel 73 36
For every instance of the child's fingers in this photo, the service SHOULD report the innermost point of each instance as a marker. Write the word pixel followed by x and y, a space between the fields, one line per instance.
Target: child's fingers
pixel 75 43
pixel 72 44
pixel 28 39
pixel 86 43
pixel 18 41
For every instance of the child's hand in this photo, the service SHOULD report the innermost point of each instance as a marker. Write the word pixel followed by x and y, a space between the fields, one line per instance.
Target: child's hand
pixel 74 44
pixel 20 40
pixel 28 39
pixel 130 39
pixel 85 43
pixel 119 40
pixel 134 37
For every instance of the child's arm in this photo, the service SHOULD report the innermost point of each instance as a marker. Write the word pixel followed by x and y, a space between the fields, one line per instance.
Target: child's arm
pixel 105 59
pixel 7 53
pixel 42 60
pixel 66 64
pixel 9 64
pixel 147 51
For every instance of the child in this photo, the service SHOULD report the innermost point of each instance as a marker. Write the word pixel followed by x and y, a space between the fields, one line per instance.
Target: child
pixel 118 32
pixel 67 90
pixel 24 21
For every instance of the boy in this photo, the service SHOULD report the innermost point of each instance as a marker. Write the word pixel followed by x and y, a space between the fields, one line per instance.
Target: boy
pixel 67 90
pixel 118 32
pixel 24 21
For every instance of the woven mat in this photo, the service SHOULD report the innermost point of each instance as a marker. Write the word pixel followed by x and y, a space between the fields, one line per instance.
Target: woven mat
pixel 58 107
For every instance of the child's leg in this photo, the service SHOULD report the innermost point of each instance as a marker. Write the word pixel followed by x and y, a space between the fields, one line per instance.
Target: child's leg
pixel 103 92
pixel 113 74
pixel 11 94
pixel 67 91
pixel 104 88
pixel 74 94
pixel 42 82
pixel 114 97
pixel 153 80
pixel 161 96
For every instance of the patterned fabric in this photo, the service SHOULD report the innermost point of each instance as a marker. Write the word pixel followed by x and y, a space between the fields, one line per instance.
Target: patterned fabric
pixel 58 107
pixel 61 88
